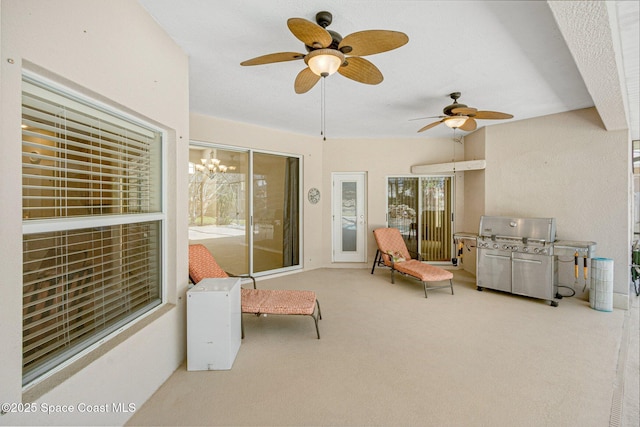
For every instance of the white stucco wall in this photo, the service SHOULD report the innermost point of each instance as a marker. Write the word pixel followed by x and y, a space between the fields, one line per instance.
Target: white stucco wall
pixel 379 158
pixel 474 195
pixel 569 167
pixel 111 50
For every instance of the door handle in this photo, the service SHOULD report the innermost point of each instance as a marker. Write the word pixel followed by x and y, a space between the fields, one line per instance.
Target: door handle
pixel 497 256
pixel 531 261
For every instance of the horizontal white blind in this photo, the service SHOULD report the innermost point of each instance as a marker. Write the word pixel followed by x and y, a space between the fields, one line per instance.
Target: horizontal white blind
pixel 78 161
pixel 84 278
pixel 79 284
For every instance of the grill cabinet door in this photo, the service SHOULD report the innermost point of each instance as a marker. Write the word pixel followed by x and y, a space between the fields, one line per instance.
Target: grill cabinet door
pixel 533 275
pixel 494 269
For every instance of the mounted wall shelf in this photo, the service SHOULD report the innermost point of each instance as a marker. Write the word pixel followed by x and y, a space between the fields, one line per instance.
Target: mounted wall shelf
pixel 467 165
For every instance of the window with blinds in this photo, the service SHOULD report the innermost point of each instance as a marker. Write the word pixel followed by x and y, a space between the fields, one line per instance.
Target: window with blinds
pixel 92 224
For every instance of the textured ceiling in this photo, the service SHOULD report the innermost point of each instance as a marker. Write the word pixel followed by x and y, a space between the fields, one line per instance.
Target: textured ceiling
pixel 508 56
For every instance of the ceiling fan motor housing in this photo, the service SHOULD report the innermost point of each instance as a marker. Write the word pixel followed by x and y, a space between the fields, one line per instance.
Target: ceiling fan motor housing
pixel 336 39
pixel 324 19
pixel 447 110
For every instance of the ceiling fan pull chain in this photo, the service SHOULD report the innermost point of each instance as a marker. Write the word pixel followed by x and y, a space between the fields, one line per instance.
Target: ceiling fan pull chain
pixel 454 148
pixel 323 124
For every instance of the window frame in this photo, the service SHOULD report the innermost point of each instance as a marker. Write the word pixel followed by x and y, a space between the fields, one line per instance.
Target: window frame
pixel 48 225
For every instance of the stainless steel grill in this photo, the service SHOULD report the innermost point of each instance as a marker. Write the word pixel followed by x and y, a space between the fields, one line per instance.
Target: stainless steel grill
pixel 516 255
pixel 519 255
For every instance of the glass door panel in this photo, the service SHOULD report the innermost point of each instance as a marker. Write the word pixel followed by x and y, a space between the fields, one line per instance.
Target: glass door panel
pixel 402 202
pixel 348 217
pixel 218 205
pixel 276 219
pixel 435 219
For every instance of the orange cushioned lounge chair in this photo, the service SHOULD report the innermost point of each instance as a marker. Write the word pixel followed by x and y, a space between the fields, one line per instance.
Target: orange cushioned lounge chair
pixel 393 252
pixel 202 265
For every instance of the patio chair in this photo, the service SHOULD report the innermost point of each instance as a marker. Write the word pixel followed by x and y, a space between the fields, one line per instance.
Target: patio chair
pixel 393 253
pixel 202 265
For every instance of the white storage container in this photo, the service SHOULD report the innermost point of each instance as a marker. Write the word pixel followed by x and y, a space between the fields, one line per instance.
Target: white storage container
pixel 213 324
pixel 601 287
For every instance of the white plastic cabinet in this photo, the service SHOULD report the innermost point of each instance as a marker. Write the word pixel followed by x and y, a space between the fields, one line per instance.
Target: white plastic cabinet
pixel 213 324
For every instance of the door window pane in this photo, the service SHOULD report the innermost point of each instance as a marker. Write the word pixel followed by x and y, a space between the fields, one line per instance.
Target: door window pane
pixel 349 216
pixel 402 199
pixel 218 205
pixel 436 219
pixel 276 208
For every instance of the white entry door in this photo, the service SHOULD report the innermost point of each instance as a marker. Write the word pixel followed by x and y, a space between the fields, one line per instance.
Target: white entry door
pixel 349 215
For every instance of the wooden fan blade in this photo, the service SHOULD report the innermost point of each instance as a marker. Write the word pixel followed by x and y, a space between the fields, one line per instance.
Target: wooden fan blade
pixel 369 42
pixel 309 33
pixel 430 117
pixel 469 125
pixel 492 115
pixel 430 125
pixel 361 70
pixel 465 111
pixel 273 57
pixel 305 80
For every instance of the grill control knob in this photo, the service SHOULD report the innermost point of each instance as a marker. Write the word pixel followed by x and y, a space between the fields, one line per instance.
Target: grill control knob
pixel 514 248
pixel 525 249
pixel 536 250
pixel 496 246
pixel 543 251
pixel 505 247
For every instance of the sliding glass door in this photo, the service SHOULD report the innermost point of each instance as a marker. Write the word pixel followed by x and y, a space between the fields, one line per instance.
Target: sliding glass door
pixel 421 208
pixel 218 208
pixel 276 212
pixel 244 207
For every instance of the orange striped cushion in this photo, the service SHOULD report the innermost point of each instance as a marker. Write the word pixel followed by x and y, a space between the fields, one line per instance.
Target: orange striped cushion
pixel 202 265
pixel 278 301
pixel 425 272
pixel 390 239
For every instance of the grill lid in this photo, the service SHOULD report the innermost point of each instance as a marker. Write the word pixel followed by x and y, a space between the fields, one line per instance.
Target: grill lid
pixel 503 227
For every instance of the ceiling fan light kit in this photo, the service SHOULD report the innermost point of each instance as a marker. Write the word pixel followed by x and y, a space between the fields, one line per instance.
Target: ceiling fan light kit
pixel 455 122
pixel 324 62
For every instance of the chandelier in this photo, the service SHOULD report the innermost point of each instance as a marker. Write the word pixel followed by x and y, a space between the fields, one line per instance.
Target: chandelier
pixel 212 167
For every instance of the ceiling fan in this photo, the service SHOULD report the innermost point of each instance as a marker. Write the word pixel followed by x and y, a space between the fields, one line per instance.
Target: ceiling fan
pixel 460 116
pixel 328 52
